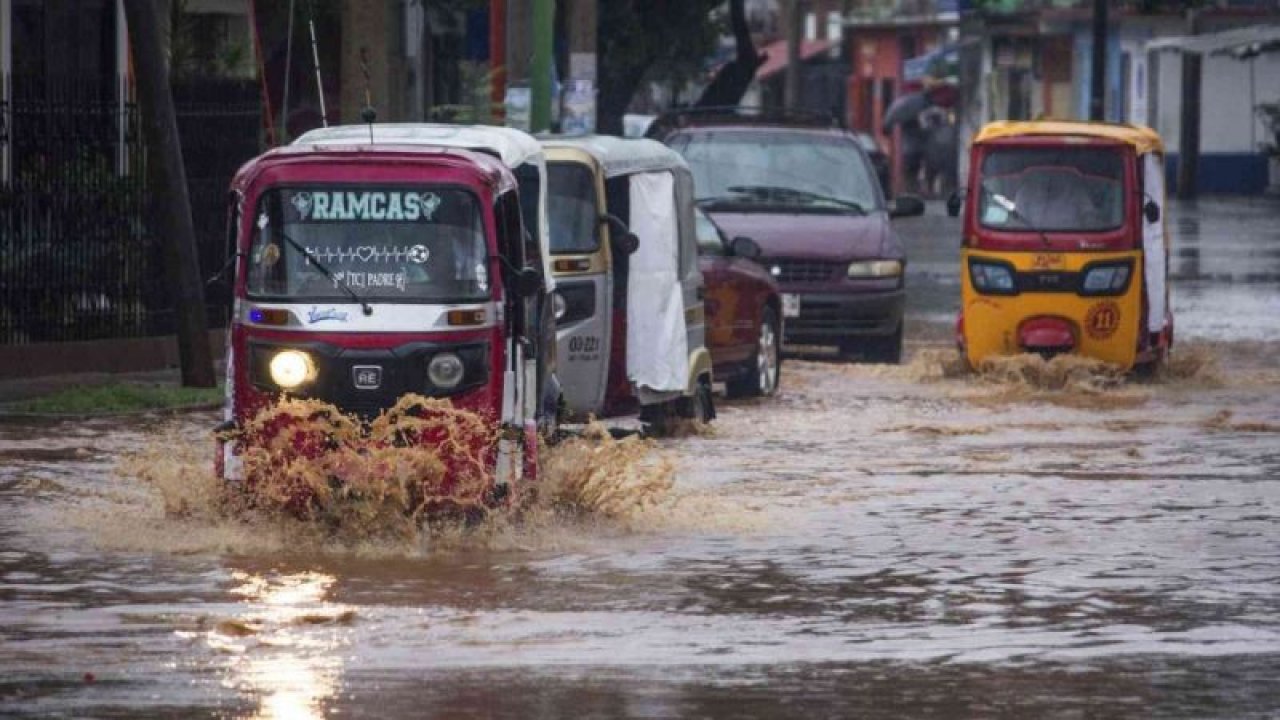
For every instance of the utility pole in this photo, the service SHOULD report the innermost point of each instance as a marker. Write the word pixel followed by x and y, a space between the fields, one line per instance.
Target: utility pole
pixel 497 51
pixel 1189 129
pixel 170 204
pixel 544 14
pixel 1098 85
pixel 795 35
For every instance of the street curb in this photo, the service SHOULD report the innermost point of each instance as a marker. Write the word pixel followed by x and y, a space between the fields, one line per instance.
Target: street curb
pixel 18 416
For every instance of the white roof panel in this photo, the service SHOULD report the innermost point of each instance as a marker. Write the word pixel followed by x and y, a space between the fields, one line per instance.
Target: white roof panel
pixel 623 156
pixel 1243 41
pixel 512 146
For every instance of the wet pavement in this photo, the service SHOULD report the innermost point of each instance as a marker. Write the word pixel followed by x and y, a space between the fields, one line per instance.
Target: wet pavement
pixel 876 542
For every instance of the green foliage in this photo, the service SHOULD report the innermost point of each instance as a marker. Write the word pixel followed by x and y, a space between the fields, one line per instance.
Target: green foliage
pixel 475 105
pixel 116 398
pixel 197 45
pixel 650 40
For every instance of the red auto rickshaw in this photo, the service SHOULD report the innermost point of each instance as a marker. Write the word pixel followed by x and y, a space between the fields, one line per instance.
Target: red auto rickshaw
pixel 368 272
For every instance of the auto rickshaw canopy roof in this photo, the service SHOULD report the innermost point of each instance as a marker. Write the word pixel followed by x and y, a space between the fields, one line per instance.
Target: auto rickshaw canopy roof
pixel 622 156
pixel 513 147
pixel 485 168
pixel 1143 139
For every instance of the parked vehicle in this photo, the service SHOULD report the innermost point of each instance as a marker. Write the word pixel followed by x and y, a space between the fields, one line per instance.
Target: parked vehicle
pixel 518 150
pixel 367 272
pixel 806 192
pixel 629 292
pixel 523 155
pixel 879 160
pixel 744 312
pixel 1064 243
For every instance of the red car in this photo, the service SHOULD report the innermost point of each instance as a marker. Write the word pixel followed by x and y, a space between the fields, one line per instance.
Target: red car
pixel 744 312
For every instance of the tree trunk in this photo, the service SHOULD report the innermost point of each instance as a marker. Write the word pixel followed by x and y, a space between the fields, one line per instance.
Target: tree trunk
pixel 170 203
pixel 733 80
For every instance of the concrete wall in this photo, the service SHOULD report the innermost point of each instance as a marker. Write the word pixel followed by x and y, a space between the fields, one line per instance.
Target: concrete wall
pixel 1230 129
pixel 1227 123
pixel 93 356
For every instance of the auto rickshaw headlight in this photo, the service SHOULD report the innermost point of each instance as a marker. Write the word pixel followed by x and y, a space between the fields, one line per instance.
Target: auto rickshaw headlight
pixel 993 278
pixel 1105 279
pixel 291 369
pixel 875 268
pixel 446 370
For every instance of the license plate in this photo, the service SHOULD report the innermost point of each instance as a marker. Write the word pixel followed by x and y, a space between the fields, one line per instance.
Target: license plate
pixel 790 306
pixel 366 377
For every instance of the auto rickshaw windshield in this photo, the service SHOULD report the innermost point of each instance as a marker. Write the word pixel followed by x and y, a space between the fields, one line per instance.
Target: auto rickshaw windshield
pixel 571 207
pixel 399 244
pixel 1060 189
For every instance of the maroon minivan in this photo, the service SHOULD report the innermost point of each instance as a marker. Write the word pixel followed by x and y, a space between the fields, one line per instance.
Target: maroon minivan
pixel 808 195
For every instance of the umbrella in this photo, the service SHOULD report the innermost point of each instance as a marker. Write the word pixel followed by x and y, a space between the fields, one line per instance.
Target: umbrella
pixel 904 109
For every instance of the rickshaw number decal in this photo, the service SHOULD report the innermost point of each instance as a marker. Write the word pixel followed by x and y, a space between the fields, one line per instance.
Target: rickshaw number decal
pixel 1103 320
pixel 588 344
pixel 1047 262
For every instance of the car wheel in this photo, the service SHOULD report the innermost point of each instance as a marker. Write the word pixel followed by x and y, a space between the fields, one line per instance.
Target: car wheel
pixel 765 371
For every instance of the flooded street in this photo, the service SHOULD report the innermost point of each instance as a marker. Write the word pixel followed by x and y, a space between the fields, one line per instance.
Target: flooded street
pixel 876 542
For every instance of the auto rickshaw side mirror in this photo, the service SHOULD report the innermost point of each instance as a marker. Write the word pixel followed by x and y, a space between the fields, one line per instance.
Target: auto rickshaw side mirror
pixel 954 203
pixel 1151 211
pixel 624 241
pixel 745 247
pixel 528 282
pixel 906 206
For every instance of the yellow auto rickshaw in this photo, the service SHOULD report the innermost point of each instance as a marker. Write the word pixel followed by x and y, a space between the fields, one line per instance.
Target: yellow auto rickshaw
pixel 1064 247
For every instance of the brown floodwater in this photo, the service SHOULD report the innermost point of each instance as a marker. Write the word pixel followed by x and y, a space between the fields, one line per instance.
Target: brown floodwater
pixel 1037 540
pixel 876 541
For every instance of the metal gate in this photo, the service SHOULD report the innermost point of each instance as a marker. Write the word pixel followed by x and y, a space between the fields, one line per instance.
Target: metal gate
pixel 78 258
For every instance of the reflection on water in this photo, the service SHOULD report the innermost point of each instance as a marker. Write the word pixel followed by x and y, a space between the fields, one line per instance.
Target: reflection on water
pixel 286 664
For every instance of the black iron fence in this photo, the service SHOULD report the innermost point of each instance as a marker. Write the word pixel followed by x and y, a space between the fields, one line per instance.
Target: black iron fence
pixel 79 258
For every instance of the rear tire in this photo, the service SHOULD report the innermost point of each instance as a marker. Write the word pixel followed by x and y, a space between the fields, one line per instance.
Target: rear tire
pixel 765 370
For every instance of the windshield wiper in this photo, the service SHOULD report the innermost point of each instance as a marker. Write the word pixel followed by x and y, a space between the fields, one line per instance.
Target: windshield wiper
pixel 324 270
pixel 796 193
pixel 1012 208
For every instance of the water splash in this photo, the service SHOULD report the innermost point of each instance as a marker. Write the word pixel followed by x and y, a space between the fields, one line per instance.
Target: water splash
pixel 321 481
pixel 422 458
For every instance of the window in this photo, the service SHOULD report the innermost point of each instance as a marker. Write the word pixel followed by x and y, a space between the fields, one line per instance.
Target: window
pixel 420 244
pixel 1063 189
pixel 710 241
pixel 571 208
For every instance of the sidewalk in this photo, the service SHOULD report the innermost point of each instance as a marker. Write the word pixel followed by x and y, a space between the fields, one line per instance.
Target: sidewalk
pixel 16 389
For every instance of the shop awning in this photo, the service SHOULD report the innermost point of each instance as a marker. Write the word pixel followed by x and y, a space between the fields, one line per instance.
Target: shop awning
pixel 777 52
pixel 1242 43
